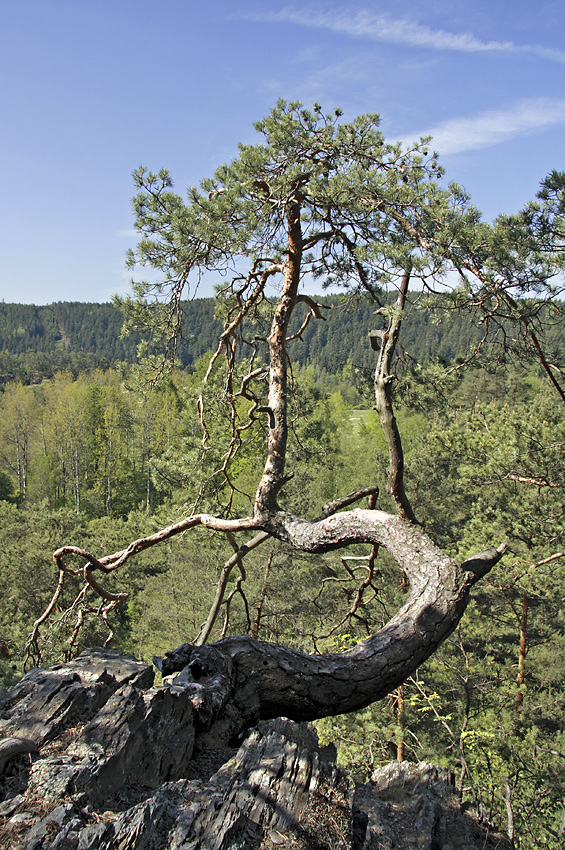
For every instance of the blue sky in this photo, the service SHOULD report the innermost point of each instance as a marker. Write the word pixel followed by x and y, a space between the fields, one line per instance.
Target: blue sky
pixel 91 89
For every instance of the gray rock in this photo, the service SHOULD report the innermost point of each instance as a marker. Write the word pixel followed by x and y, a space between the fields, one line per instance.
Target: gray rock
pixel 415 806
pixel 123 764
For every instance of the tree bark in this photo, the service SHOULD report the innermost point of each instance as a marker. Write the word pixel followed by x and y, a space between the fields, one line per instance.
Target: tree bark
pixel 383 400
pixel 273 476
pixel 247 680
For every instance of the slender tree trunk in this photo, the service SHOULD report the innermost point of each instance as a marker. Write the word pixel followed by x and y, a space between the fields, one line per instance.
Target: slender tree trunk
pixel 109 474
pixel 464 725
pixel 274 472
pixel 522 652
pixel 257 623
pixel 509 811
pixel 77 482
pixel 148 459
pixel 19 467
pixel 239 553
pixel 383 399
pixel 400 719
pixel 24 463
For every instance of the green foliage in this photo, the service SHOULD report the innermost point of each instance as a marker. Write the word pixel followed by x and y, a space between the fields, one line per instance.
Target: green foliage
pixel 368 210
pixel 339 342
pixel 89 443
pixel 491 452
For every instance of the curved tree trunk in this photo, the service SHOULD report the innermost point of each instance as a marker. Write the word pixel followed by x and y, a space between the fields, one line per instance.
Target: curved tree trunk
pixel 240 680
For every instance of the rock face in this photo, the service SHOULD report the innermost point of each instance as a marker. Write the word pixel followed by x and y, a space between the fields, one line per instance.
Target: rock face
pixel 92 755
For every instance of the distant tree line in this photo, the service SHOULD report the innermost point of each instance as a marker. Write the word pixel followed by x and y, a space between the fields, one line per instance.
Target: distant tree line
pixel 38 341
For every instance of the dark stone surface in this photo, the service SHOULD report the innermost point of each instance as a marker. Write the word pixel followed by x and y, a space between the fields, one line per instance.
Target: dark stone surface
pixel 120 765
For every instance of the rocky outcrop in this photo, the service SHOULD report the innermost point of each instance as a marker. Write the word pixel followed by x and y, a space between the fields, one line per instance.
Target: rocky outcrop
pixel 93 755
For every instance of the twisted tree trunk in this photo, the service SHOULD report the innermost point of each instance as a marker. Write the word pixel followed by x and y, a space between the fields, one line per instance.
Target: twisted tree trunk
pixel 240 680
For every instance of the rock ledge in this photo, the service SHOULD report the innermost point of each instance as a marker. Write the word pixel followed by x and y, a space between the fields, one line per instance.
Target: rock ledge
pixel 92 755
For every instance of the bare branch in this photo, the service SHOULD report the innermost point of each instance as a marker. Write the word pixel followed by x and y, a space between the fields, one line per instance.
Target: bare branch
pixel 236 559
pixel 337 504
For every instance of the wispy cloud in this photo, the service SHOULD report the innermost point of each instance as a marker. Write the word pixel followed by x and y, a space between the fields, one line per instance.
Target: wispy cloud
pixel 364 24
pixel 493 126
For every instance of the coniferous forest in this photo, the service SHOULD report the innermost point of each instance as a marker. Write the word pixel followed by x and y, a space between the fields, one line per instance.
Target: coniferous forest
pixel 98 449
pixel 37 342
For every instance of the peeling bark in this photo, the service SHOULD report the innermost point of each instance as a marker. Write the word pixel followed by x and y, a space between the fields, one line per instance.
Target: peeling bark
pixel 274 472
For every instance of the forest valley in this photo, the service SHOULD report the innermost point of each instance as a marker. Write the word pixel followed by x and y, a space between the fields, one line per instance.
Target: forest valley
pixel 381 553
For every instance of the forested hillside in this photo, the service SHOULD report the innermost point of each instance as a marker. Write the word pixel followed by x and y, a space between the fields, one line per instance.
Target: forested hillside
pixel 100 459
pixel 35 342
